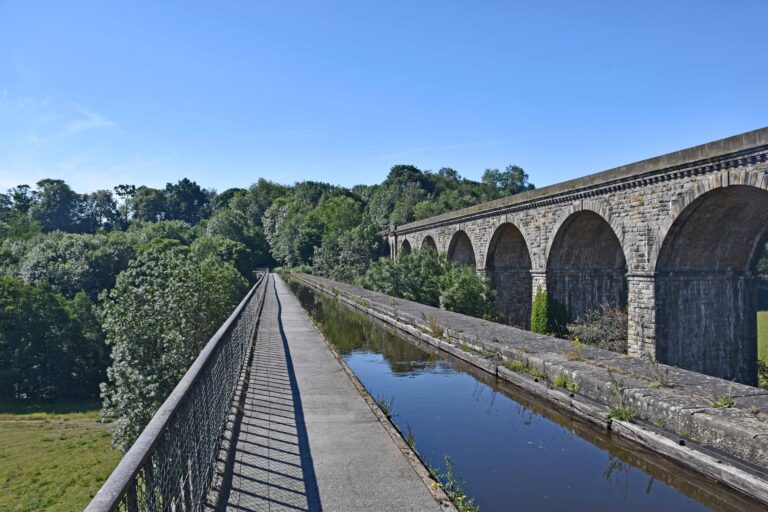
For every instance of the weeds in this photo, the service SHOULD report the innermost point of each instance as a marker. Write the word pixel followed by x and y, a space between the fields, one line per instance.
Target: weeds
pixel 561 381
pixel 724 402
pixel 454 488
pixel 517 366
pixel 623 411
pixel 434 329
pixel 386 404
pixel 605 327
pixel 578 350
pixel 410 438
pixel 659 374
pixel 621 414
pixel 490 354
pixel 465 347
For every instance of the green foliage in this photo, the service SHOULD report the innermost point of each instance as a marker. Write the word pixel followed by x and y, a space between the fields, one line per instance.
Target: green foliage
pixel 161 312
pixel 454 488
pixel 540 313
pixel 465 292
pixel 61 253
pixel 49 346
pixel 511 180
pixel 429 278
pixel 387 405
pixel 724 402
pixel 520 367
pixel 547 315
pixel 762 374
pixel 621 414
pixel 347 255
pixel 417 277
pixel 71 263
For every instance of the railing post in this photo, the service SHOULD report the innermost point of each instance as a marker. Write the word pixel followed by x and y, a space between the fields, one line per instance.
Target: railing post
pixel 132 498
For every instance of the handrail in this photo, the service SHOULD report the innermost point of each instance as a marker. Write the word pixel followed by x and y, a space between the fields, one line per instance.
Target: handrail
pixel 156 473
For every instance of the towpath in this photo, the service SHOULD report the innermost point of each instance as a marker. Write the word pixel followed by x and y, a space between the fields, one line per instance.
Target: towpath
pixel 308 440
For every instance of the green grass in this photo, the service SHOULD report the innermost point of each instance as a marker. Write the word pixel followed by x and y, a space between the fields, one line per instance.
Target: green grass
pixel 52 456
pixel 762 335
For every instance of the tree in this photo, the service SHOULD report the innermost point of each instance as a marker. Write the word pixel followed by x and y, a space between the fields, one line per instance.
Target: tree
pixel 99 211
pixel 22 197
pixel 463 291
pixel 429 278
pixel 186 201
pixel 148 205
pixel 71 263
pixel 49 347
pixel 56 206
pixel 348 255
pixel 512 180
pixel 161 312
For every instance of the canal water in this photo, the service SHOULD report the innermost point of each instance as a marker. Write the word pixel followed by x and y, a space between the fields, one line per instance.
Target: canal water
pixel 512 452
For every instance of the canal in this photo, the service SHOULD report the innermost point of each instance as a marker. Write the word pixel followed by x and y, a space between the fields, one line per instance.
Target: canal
pixel 511 451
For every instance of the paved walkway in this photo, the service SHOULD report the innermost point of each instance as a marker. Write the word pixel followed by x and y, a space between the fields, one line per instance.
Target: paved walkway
pixel 308 440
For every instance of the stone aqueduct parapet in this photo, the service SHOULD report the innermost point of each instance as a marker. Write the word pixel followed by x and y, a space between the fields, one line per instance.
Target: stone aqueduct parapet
pixel 675 239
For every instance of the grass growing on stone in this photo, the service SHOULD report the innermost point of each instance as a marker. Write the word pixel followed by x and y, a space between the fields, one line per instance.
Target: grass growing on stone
pixel 762 335
pixel 53 456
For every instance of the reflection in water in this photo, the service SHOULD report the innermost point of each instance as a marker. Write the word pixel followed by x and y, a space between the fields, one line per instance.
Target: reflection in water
pixel 513 452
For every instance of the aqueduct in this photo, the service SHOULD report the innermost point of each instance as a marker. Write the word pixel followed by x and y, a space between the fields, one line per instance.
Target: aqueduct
pixel 675 239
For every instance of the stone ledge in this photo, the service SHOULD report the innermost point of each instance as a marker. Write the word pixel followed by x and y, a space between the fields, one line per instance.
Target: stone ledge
pixel 681 409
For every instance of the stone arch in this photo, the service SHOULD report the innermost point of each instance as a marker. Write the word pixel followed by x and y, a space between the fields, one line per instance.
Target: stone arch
pixel 508 267
pixel 461 250
pixel 756 179
pixel 586 265
pixel 706 284
pixel 405 247
pixel 428 243
pixel 586 206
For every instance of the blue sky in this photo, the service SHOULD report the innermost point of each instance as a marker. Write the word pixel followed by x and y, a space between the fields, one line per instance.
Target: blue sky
pixel 102 93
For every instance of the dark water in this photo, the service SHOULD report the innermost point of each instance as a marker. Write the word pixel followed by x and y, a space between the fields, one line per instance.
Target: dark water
pixel 513 453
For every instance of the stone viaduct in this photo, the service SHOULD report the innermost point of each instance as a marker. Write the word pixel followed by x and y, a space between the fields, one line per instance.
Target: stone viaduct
pixel 674 239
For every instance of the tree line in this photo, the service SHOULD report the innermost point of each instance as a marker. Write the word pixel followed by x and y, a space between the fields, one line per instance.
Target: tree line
pixel 113 293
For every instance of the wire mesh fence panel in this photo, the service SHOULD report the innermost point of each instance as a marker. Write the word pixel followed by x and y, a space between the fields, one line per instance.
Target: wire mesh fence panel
pixel 171 465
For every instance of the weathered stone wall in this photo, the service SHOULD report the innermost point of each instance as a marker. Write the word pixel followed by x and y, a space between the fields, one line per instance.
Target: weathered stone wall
pixel 710 325
pixel 640 203
pixel 513 294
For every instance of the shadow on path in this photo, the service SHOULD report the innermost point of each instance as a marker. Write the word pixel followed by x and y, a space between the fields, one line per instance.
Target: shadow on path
pixel 272 467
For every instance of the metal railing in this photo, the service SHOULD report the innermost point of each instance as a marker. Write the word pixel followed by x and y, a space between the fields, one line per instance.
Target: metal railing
pixel 171 465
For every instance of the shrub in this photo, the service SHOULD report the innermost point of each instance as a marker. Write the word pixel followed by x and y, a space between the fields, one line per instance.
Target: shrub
pixel 605 327
pixel 540 313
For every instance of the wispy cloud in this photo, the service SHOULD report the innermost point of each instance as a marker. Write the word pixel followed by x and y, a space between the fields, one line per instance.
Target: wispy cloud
pixel 37 120
pixel 41 137
pixel 89 121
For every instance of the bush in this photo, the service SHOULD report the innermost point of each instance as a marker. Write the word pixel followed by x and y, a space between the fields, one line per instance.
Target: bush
pixel 540 313
pixel 429 278
pixel 161 312
pixel 605 327
pixel 465 292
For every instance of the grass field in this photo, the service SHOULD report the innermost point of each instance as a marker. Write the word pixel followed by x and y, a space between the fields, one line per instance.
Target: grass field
pixel 52 456
pixel 762 335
